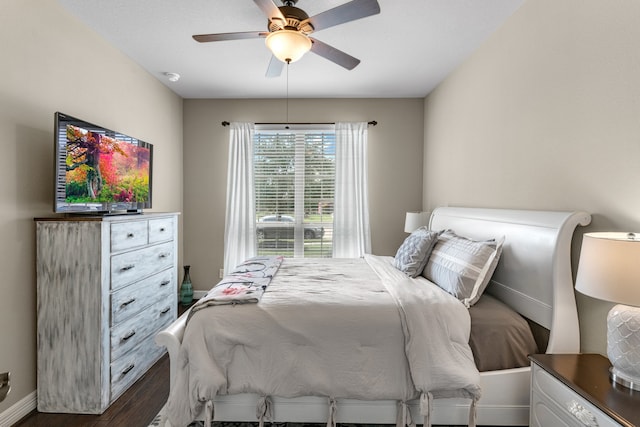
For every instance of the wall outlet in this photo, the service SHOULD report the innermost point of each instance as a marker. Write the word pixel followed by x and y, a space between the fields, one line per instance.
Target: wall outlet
pixel 221 273
pixel 5 385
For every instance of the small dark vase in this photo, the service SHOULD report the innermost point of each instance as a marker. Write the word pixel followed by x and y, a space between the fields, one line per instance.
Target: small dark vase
pixel 186 289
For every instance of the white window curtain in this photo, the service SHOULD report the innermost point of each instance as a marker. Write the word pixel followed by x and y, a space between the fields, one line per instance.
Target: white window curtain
pixel 351 230
pixel 240 240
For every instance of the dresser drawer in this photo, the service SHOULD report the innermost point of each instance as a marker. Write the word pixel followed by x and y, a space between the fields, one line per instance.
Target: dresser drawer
pixel 160 230
pixel 130 267
pixel 132 331
pixel 131 366
pixel 130 300
pixel 552 402
pixel 129 235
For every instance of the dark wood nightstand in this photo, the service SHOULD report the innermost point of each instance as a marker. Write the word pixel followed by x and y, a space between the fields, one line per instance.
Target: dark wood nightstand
pixel 183 308
pixel 575 390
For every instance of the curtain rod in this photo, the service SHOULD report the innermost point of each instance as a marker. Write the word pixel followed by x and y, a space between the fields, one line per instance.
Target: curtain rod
pixel 371 123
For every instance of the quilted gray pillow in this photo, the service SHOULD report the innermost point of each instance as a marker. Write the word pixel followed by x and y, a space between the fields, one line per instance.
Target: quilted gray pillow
pixel 413 254
pixel 461 266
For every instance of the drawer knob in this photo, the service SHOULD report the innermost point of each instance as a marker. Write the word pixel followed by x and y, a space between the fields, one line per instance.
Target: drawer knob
pixel 165 311
pixel 582 414
pixel 128 368
pixel 129 335
pixel 126 303
pixel 127 267
pixel 165 282
pixel 164 255
pixel 162 229
pixel 130 235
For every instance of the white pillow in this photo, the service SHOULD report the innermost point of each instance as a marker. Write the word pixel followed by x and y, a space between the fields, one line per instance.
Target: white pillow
pixel 413 254
pixel 461 266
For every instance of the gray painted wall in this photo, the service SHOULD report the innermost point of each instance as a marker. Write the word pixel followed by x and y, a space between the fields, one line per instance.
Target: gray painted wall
pixel 395 166
pixel 49 64
pixel 546 115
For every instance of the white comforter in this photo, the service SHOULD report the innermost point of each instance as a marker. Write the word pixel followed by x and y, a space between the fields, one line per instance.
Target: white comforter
pixel 341 328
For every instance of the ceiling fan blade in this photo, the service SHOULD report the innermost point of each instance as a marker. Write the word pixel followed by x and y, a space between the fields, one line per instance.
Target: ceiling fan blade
pixel 334 55
pixel 275 67
pixel 204 38
pixel 272 11
pixel 347 12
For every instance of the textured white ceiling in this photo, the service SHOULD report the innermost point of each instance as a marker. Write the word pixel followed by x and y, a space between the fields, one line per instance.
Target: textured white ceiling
pixel 405 51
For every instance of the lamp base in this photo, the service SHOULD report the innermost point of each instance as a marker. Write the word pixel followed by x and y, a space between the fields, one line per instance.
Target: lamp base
pixel 625 381
pixel 623 345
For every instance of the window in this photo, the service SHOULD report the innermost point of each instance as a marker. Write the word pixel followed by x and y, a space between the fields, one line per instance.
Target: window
pixel 294 174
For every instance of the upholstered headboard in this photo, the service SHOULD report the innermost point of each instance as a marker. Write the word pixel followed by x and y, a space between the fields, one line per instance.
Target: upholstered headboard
pixel 534 273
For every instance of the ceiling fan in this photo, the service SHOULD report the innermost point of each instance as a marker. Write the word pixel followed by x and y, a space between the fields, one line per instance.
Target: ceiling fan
pixel 289 28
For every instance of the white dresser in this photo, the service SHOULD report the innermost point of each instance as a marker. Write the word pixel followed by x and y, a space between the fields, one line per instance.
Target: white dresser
pixel 106 285
pixel 575 390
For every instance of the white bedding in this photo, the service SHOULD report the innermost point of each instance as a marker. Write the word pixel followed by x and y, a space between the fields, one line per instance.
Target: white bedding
pixel 340 328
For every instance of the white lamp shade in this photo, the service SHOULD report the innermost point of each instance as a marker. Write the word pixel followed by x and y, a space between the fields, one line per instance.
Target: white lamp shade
pixel 288 45
pixel 415 220
pixel 609 267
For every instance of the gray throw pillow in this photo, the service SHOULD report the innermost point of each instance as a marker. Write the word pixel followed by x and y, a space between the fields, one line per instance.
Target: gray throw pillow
pixel 413 254
pixel 461 266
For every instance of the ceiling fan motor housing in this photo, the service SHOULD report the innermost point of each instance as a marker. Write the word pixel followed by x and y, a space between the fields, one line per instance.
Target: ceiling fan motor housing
pixel 297 19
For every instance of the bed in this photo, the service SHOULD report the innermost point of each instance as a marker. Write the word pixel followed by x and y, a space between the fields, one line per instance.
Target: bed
pixel 533 277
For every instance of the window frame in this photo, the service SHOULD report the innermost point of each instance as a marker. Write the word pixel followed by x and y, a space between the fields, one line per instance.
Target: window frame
pixel 299 183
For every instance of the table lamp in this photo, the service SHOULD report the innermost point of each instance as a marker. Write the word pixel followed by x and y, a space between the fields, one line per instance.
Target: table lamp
pixel 415 220
pixel 609 270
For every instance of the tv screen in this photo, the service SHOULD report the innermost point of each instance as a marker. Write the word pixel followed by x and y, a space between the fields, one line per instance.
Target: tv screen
pixel 98 170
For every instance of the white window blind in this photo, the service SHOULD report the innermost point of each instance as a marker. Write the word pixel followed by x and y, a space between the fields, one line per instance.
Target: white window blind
pixel 294 173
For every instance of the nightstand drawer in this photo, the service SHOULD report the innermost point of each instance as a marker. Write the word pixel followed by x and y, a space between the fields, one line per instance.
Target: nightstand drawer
pixel 555 404
pixel 132 266
pixel 544 413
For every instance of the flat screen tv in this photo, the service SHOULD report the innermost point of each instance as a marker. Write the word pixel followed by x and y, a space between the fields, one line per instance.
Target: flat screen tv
pixel 99 171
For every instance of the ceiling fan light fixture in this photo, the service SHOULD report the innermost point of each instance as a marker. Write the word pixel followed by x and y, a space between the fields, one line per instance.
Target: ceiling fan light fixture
pixel 288 45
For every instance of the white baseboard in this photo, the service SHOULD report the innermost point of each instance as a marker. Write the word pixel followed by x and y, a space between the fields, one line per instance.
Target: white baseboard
pixel 19 410
pixel 199 294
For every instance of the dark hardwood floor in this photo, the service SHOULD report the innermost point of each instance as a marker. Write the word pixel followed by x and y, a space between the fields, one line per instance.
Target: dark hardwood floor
pixel 135 408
